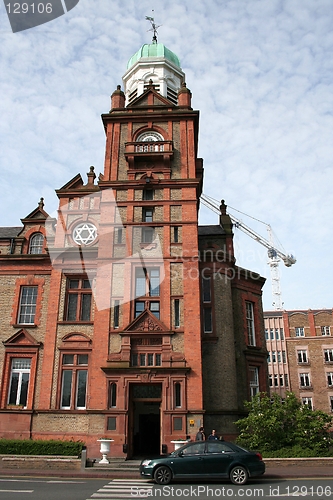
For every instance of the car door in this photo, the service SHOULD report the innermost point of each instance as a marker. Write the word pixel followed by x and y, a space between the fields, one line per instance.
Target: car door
pixel 218 458
pixel 190 460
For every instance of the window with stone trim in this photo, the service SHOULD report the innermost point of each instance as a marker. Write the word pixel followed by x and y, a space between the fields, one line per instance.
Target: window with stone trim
pixel 307 401
pixel 78 299
pixel 176 306
pixel 206 294
pixel 254 380
pixel 147 214
pixel 27 305
pixel 19 381
pixel 328 355
pixel 36 243
pixel 251 334
pixel 74 374
pixel 116 313
pixel 147 234
pixel 112 396
pixel 175 234
pixel 177 394
pixel 302 356
pixel 304 380
pixel 329 377
pixel 148 194
pixel 299 331
pixel 325 330
pixel 147 290
pixel 119 235
pixel 146 351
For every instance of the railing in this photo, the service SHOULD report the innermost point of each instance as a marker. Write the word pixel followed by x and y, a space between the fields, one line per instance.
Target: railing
pixel 149 148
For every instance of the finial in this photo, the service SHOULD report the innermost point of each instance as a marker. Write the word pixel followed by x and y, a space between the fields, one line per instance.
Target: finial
pixel 41 203
pixel 91 175
pixel 153 27
pixel 223 208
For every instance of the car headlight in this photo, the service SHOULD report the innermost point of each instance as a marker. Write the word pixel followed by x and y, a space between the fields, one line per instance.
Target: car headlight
pixel 145 462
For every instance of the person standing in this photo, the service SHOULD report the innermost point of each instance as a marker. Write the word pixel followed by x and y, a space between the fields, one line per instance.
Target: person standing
pixel 213 436
pixel 200 436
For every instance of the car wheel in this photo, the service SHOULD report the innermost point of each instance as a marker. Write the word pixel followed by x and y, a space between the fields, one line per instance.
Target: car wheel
pixel 162 475
pixel 238 475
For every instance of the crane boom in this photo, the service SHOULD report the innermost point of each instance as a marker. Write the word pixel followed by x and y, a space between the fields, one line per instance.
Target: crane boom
pixel 274 254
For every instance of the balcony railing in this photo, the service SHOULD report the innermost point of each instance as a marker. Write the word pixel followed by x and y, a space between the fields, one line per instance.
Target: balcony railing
pixel 151 147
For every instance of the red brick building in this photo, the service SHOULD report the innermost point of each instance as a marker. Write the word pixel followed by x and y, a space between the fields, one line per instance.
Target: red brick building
pixel 123 317
pixel 300 347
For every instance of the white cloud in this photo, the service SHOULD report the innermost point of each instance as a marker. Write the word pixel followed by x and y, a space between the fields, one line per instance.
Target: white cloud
pixel 261 74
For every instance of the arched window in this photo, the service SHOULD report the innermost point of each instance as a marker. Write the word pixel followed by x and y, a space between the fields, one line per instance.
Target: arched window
pixel 149 136
pixel 36 243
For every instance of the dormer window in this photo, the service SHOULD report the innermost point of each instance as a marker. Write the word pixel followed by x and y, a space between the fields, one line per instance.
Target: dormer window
pixel 36 243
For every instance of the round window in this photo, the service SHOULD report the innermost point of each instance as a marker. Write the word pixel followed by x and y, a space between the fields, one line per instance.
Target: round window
pixel 84 233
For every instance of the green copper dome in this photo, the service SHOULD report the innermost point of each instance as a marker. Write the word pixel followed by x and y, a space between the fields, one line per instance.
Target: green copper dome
pixel 154 50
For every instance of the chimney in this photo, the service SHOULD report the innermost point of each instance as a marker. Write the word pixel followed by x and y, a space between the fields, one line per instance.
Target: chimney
pixel 118 99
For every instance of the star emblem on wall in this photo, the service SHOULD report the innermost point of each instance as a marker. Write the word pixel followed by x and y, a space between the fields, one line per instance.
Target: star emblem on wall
pixel 85 233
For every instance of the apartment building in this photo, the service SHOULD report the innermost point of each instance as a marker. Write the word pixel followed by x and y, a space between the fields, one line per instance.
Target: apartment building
pixel 300 355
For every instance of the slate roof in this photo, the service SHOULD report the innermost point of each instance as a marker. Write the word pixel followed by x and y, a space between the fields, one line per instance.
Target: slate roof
pixel 10 232
pixel 210 230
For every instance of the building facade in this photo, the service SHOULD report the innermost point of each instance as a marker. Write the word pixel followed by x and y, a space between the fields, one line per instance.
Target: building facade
pixel 300 355
pixel 122 317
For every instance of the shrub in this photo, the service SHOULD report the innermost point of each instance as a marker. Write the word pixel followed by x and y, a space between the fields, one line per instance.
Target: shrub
pixel 40 447
pixel 273 424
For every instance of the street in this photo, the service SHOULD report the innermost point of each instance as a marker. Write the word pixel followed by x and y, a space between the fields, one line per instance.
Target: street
pixel 120 489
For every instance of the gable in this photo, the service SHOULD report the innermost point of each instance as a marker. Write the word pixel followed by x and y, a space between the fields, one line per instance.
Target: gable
pixel 22 338
pixel 150 97
pixel 37 214
pixel 75 183
pixel 146 322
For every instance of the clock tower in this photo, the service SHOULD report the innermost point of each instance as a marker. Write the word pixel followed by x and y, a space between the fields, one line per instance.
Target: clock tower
pixel 150 337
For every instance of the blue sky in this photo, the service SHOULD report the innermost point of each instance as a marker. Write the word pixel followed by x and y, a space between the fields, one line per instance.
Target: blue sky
pixel 261 74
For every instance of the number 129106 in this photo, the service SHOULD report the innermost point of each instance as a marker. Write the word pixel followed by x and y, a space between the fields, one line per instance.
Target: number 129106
pixel 29 8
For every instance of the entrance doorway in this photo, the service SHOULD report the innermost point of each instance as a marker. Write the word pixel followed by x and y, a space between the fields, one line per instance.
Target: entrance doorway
pixel 145 419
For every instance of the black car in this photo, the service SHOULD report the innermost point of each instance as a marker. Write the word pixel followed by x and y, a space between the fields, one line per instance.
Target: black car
pixel 204 460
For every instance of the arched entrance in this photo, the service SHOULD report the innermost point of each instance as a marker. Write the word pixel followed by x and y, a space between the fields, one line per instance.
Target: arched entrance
pixel 145 420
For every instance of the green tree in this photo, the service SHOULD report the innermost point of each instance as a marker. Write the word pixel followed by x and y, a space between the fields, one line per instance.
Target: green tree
pixel 273 424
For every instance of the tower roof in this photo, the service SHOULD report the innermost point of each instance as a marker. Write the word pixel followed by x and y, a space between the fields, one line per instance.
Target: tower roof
pixel 154 50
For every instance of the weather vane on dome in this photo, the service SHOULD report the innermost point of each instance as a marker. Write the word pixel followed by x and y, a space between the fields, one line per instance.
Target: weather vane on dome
pixel 153 27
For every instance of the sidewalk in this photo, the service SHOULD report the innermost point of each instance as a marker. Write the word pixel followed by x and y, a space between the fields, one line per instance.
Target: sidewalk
pixel 274 473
